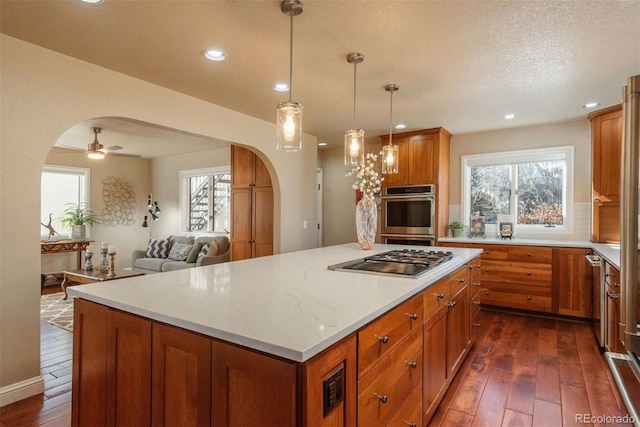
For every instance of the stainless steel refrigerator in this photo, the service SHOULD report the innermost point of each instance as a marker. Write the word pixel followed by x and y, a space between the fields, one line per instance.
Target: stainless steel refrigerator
pixel 626 367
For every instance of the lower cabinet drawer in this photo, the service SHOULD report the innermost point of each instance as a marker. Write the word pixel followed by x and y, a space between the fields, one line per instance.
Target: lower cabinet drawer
pixel 410 414
pixel 383 390
pixel 476 301
pixel 517 272
pixel 534 298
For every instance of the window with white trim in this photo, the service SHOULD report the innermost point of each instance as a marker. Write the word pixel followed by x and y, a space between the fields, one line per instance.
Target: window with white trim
pixel 59 187
pixel 205 200
pixel 530 188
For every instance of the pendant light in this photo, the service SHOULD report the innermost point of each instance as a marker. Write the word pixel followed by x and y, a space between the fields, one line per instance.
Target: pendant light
pixel 390 151
pixel 93 151
pixel 354 137
pixel 289 113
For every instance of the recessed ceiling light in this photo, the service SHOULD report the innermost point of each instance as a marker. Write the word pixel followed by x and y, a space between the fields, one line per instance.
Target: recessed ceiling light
pixel 214 55
pixel 322 144
pixel 510 116
pixel 281 87
pixel 590 104
pixel 92 1
pixel 401 126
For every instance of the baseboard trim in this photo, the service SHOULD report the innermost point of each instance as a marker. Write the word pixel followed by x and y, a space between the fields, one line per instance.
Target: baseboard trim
pixel 21 390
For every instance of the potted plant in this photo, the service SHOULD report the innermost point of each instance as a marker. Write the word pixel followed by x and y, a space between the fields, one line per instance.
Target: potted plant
pixel 456 228
pixel 76 218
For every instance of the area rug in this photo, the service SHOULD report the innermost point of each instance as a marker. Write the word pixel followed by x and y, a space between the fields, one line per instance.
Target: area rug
pixel 56 311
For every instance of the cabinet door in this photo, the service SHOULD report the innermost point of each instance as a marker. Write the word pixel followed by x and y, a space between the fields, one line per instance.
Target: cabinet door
pixel 252 389
pixel 422 155
pixel 129 370
pixel 458 330
pixel 572 282
pixel 606 129
pixel 262 221
pixel 181 377
pixel 241 223
pixel 90 349
pixel 262 177
pixel 435 361
pixel 242 167
pixel 402 177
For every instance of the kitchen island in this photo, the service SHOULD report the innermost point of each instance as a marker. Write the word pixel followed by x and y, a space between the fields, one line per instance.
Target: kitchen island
pixel 218 343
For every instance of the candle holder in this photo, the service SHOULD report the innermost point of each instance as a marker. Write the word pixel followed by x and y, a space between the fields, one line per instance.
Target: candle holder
pixel 104 264
pixel 87 263
pixel 112 265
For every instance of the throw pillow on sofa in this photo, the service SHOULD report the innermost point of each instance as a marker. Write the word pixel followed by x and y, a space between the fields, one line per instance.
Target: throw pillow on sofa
pixel 210 247
pixel 158 248
pixel 193 254
pixel 179 251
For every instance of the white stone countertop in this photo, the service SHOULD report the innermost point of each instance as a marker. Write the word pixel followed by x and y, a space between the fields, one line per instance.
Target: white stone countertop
pixel 289 305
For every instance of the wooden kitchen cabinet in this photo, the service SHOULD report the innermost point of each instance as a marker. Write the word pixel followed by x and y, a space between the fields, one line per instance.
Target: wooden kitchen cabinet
pixel 572 276
pixel 252 206
pixel 111 367
pixel 423 158
pixel 475 289
pixel 612 315
pixel 606 135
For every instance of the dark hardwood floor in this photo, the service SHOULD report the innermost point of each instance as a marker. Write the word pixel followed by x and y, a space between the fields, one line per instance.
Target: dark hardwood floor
pixel 522 371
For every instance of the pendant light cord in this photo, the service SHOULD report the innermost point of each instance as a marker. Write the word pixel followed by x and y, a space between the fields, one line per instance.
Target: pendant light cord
pixel 391 119
pixel 354 93
pixel 291 58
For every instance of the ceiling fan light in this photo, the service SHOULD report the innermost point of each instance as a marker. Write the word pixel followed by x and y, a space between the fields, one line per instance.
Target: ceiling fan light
pixel 95 155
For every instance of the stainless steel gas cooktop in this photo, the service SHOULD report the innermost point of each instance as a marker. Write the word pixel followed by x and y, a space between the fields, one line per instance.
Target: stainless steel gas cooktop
pixel 401 262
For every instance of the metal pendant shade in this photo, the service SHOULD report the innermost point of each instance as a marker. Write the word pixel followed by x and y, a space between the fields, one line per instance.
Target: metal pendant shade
pixel 289 113
pixel 354 137
pixel 390 151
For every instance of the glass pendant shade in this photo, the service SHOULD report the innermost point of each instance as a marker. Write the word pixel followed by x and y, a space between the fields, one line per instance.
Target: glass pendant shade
pixel 389 159
pixel 289 124
pixel 354 147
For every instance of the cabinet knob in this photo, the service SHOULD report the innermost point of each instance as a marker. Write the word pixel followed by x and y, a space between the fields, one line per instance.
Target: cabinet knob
pixel 528 273
pixel 441 296
pixel 487 269
pixel 476 302
pixel 412 316
pixel 528 297
pixel 383 339
pixel 477 325
pixel 477 284
pixel 381 397
pixel 529 254
pixel 487 293
pixel 487 252
pixel 452 303
pixel 413 365
pixel 461 281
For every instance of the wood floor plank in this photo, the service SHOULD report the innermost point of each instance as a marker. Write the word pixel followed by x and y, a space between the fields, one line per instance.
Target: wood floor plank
pixel 516 419
pixel 523 387
pixel 494 397
pixel 468 395
pixel 600 400
pixel 548 379
pixel 574 403
pixel 547 342
pixel 546 414
pixel 456 418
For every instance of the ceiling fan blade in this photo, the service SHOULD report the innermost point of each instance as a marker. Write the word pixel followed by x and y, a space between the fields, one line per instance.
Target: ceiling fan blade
pixel 68 147
pixel 111 149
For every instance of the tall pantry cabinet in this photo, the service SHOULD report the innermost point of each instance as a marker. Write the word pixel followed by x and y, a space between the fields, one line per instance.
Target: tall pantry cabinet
pixel 606 135
pixel 251 206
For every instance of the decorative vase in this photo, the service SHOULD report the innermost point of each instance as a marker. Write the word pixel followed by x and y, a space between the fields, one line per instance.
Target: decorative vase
pixel 366 222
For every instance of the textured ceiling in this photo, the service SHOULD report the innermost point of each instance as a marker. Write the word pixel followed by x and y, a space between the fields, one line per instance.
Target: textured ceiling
pixel 460 64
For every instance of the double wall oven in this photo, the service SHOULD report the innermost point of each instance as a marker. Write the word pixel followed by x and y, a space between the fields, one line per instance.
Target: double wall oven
pixel 409 214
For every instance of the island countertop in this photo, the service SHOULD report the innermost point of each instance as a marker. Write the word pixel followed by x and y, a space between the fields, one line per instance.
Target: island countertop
pixel 288 305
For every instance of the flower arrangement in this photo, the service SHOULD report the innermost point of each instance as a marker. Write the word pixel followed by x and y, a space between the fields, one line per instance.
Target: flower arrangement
pixel 368 179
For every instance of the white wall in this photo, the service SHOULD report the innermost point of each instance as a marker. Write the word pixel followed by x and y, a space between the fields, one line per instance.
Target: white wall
pixel 45 93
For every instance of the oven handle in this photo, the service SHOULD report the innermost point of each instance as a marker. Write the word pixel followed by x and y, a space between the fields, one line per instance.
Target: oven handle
pixel 409 197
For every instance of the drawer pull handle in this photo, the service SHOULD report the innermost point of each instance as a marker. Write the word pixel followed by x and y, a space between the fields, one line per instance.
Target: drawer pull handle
pixel 617 285
pixel 412 316
pixel 528 273
pixel 384 339
pixel 413 365
pixel 452 303
pixel 476 302
pixel 441 296
pixel 410 423
pixel 476 284
pixel 382 398
pixel 461 281
pixel 487 269
pixel 528 297
pixel 487 252
pixel 477 325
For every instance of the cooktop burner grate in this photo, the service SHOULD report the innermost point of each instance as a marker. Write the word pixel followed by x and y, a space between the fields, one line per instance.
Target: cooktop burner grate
pixel 401 262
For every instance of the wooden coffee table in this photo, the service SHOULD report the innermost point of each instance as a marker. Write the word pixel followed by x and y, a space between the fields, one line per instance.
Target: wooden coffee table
pixel 83 277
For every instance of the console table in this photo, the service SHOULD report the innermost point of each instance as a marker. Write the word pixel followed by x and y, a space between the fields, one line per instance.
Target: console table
pixel 61 246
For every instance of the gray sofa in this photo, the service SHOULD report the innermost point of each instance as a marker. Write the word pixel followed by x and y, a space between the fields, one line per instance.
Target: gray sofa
pixel 218 252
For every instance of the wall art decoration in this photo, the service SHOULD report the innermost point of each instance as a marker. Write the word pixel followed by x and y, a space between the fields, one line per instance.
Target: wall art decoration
pixel 119 202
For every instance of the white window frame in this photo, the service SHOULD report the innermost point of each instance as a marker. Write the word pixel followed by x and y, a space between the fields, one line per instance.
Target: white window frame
pixel 565 153
pixel 83 192
pixel 183 214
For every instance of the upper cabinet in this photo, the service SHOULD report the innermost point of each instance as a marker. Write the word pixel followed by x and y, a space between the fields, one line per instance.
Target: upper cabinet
pixel 424 159
pixel 606 134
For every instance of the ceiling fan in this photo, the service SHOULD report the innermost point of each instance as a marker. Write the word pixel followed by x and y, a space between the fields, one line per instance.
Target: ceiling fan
pixel 97 151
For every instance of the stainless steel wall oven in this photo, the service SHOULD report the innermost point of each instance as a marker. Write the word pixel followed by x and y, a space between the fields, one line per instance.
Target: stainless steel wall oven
pixel 409 212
